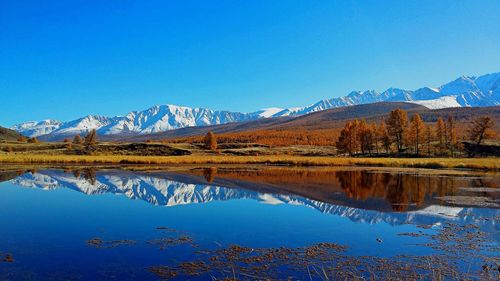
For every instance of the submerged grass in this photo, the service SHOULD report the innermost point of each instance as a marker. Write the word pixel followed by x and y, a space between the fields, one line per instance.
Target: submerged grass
pixel 462 252
pixel 435 163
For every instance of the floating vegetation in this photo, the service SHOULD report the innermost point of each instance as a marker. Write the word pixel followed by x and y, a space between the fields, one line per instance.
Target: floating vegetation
pixel 411 234
pixel 174 238
pixel 424 226
pixel 462 252
pixel 167 242
pixel 465 243
pixel 8 258
pixel 167 229
pixel 102 244
pixel 163 272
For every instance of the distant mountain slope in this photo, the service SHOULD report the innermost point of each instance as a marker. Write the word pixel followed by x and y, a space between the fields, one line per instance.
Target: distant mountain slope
pixel 463 92
pixel 334 118
pixel 8 134
pixel 155 119
pixel 35 129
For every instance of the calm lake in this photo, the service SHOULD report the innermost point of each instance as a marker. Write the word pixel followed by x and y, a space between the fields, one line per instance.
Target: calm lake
pixel 248 223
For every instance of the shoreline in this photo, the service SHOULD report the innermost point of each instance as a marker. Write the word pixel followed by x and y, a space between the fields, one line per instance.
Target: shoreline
pixel 485 164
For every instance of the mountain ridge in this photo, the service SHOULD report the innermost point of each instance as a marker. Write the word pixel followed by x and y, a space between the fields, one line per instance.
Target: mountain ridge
pixel 330 119
pixel 465 91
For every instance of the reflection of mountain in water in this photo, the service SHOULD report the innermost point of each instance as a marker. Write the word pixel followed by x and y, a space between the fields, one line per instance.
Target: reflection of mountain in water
pixel 170 189
pixel 154 190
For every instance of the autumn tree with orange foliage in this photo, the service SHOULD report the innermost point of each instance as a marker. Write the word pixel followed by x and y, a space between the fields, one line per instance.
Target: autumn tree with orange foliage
pixel 429 137
pixel 348 139
pixel 366 137
pixel 416 131
pixel 211 141
pixel 480 129
pixel 298 136
pixel 91 138
pixel 440 133
pixel 451 135
pixel 77 139
pixel 383 137
pixel 397 124
pixel 359 135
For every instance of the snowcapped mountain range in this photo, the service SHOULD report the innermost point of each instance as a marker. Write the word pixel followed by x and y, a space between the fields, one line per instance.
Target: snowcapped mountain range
pixel 174 191
pixel 464 91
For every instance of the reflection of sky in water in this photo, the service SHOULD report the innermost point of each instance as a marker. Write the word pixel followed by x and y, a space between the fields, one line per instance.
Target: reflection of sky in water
pixel 46 230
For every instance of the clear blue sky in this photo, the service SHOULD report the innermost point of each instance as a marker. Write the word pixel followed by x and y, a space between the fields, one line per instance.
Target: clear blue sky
pixel 66 59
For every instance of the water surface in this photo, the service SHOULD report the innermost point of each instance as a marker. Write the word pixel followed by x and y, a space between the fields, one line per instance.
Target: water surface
pixel 89 223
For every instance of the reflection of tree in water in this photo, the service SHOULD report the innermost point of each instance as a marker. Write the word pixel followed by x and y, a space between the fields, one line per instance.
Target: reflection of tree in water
pixel 480 182
pixel 210 174
pixel 89 174
pixel 32 171
pixel 401 190
pixel 8 175
pixel 397 193
pixel 77 173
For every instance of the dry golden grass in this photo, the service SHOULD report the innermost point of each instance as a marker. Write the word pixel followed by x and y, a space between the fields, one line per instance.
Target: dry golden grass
pixel 468 163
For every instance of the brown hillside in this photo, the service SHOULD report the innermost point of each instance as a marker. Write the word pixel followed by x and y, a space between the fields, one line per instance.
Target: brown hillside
pixel 8 134
pixel 319 128
pixel 327 119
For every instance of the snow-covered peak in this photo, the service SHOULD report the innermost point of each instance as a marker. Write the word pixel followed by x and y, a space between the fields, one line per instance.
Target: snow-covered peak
pixel 268 112
pixel 83 125
pixel 464 91
pixel 489 83
pixel 442 102
pixel 461 85
pixel 38 128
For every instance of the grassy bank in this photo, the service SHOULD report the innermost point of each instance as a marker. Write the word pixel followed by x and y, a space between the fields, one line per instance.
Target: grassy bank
pixel 474 163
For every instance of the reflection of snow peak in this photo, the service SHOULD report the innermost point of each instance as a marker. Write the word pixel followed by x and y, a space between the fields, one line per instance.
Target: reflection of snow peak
pixel 167 192
pixel 154 190
pixel 444 211
pixel 37 180
pixel 269 199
